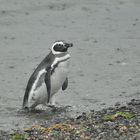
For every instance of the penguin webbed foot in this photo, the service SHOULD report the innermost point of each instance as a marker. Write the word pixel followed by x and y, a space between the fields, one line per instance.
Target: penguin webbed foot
pixel 53 107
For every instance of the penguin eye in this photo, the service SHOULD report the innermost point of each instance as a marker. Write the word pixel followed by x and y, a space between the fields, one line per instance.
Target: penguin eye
pixel 60 45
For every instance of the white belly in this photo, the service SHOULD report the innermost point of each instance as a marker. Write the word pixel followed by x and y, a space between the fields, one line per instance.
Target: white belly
pixel 40 96
pixel 58 77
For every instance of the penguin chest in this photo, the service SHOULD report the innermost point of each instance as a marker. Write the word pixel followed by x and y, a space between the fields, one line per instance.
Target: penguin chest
pixel 59 76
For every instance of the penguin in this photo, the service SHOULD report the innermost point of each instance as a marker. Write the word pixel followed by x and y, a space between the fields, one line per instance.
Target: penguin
pixel 50 76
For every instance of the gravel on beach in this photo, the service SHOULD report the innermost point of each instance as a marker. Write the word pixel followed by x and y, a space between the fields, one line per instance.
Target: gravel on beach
pixel 114 123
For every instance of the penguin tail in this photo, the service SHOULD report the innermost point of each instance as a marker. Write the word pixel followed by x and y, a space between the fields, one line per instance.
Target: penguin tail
pixel 25 104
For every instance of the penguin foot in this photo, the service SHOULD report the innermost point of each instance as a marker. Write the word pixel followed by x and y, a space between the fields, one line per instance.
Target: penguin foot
pixel 31 110
pixel 53 107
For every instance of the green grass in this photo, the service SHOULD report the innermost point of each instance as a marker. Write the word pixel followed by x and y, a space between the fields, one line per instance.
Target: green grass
pixel 126 115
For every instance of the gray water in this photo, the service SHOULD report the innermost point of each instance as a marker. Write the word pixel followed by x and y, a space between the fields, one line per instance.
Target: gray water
pixel 105 59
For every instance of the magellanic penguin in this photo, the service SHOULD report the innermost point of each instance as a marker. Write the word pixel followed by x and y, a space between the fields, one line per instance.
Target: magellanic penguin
pixel 48 77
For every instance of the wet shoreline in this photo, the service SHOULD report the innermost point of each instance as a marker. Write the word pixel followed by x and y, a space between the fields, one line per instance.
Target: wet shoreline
pixel 97 125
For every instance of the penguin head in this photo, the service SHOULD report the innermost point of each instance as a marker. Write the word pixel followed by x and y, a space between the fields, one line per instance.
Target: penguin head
pixel 60 47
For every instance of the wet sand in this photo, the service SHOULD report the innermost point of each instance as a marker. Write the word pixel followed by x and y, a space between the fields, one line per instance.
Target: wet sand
pixel 105 59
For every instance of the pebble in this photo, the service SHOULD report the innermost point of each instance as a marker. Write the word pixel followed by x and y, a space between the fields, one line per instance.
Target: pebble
pixel 137 136
pixel 123 129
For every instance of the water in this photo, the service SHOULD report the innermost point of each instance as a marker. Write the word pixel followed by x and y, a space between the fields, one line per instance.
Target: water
pixel 105 59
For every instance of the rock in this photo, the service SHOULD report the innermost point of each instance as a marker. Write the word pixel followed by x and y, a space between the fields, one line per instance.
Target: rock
pixel 137 136
pixel 123 129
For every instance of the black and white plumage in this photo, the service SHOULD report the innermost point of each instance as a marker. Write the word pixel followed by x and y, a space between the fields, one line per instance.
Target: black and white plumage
pixel 48 77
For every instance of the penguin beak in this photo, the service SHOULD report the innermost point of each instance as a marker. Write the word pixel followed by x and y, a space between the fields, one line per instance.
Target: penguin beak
pixel 68 45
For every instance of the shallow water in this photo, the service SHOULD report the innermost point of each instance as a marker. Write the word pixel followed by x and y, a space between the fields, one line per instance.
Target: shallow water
pixel 105 59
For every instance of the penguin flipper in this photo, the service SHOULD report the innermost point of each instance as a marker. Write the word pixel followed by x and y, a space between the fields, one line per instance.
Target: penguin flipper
pixel 65 84
pixel 48 83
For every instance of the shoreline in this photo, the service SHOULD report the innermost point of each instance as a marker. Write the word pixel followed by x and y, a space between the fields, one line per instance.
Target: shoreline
pixel 121 122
